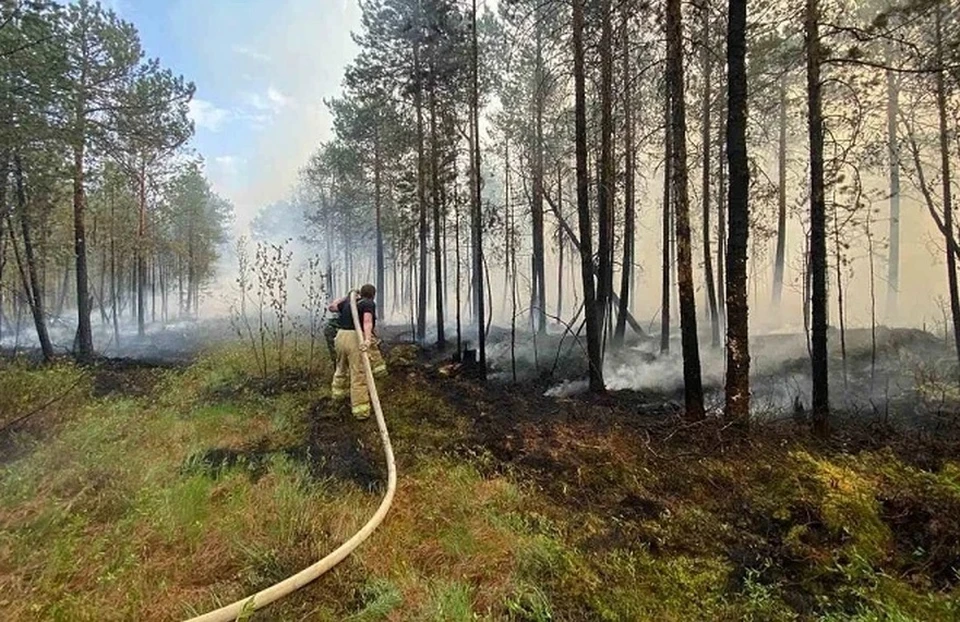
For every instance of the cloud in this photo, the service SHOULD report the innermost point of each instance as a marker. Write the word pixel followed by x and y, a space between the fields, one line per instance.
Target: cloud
pixel 273 100
pixel 277 98
pixel 206 115
pixel 251 53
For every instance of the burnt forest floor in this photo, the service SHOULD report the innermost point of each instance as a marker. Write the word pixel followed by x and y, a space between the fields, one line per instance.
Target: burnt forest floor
pixel 153 490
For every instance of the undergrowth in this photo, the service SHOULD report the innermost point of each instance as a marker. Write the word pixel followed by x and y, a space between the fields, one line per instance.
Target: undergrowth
pixel 218 483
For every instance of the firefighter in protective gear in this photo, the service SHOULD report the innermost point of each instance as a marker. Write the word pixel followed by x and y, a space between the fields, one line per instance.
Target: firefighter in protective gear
pixel 349 377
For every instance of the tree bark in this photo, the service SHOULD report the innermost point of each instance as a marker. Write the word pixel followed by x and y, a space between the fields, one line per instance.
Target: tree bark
pixel 893 148
pixel 707 68
pixel 141 251
pixel 84 331
pixel 947 182
pixel 605 188
pixel 667 224
pixel 421 194
pixel 583 207
pixel 818 224
pixel 626 270
pixel 435 196
pixel 693 387
pixel 33 287
pixel 477 206
pixel 538 287
pixel 780 258
pixel 737 407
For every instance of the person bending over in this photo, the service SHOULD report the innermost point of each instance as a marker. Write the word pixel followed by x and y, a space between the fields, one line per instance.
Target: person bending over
pixel 349 377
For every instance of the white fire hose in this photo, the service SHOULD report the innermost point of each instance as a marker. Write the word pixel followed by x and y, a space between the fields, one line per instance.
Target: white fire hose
pixel 290 584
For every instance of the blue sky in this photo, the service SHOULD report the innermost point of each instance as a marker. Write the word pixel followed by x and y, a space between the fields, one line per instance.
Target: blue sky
pixel 262 69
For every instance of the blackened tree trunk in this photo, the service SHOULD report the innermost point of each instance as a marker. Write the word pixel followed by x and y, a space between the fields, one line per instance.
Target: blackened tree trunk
pixel 435 196
pixel 605 188
pixel 665 282
pixel 780 258
pixel 947 182
pixel 84 331
pixel 707 68
pixel 456 247
pixel 693 387
pixel 893 148
pixel 738 350
pixel 626 271
pixel 538 289
pixel 141 250
pixel 583 205
pixel 722 218
pixel 560 245
pixel 378 207
pixel 477 207
pixel 421 196
pixel 818 223
pixel 34 286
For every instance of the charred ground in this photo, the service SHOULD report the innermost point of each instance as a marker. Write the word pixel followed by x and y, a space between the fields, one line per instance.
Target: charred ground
pixel 512 505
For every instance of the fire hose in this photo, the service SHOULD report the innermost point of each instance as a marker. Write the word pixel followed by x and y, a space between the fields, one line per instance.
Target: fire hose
pixel 268 595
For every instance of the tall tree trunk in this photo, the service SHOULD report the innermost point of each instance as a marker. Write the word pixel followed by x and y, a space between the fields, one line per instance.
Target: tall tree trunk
pixel 141 251
pixel 707 68
pixel 693 387
pixel 591 310
pixel 665 282
pixel 435 196
pixel 378 206
pixel 477 207
pixel 33 289
pixel 456 246
pixel 738 334
pixel 421 194
pixel 780 259
pixel 893 149
pixel 818 223
pixel 947 182
pixel 538 286
pixel 605 189
pixel 84 332
pixel 626 270
pixel 722 217
pixel 113 274
pixel 560 245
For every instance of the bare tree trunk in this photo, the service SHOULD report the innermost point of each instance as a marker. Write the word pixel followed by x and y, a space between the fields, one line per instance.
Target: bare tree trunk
pixel 722 218
pixel 605 188
pixel 693 387
pixel 560 245
pixel 141 251
pixel 477 206
pixel 780 259
pixel 893 148
pixel 818 224
pixel 738 334
pixel 32 285
pixel 378 204
pixel 947 182
pixel 707 69
pixel 626 271
pixel 435 196
pixel 456 244
pixel 665 282
pixel 538 286
pixel 84 332
pixel 421 193
pixel 591 311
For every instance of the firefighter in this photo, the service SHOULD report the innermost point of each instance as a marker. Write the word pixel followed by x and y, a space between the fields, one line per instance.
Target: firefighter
pixel 350 377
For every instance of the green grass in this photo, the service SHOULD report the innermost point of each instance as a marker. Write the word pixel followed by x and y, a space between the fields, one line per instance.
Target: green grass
pixel 108 512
